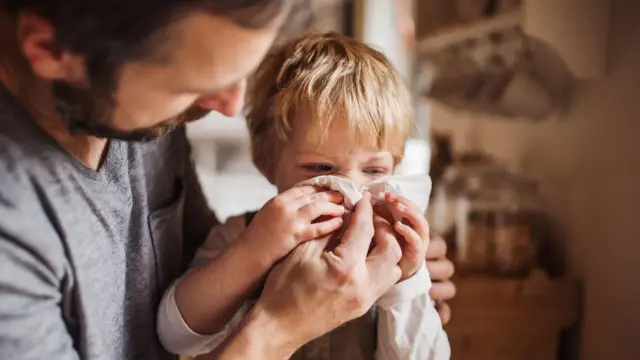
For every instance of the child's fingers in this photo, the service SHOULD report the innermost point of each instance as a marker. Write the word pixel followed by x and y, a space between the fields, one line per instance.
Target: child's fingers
pixel 412 238
pixel 394 198
pixel 417 220
pixel 413 252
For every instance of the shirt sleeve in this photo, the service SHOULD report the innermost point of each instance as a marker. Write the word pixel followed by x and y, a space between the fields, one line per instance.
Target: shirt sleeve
pixel 409 327
pixel 174 333
pixel 31 276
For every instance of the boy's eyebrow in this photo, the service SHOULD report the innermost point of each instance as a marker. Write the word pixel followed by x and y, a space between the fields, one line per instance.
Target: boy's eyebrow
pixel 379 155
pixel 312 153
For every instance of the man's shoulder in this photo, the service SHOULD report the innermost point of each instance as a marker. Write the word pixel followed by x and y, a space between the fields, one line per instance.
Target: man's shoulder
pixel 17 164
pixel 24 147
pixel 22 178
pixel 26 169
pixel 25 226
pixel 23 165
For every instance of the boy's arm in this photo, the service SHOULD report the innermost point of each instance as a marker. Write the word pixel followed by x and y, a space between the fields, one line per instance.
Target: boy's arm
pixel 178 338
pixel 198 311
pixel 409 327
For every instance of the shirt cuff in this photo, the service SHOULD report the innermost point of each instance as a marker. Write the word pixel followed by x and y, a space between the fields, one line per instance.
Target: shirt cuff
pixel 176 335
pixel 407 290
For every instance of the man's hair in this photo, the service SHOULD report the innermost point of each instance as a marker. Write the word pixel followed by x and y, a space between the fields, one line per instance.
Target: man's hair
pixel 109 33
pixel 322 79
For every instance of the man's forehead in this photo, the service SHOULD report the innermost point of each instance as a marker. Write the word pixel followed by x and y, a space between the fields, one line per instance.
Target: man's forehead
pixel 204 47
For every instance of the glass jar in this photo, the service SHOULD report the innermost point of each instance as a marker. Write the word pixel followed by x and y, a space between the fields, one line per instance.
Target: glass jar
pixel 455 183
pixel 474 213
pixel 493 224
pixel 513 246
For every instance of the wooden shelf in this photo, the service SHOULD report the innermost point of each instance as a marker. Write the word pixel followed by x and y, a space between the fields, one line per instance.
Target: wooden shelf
pixel 456 33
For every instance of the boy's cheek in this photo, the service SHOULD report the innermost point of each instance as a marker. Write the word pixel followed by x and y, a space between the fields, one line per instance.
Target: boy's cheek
pixel 291 178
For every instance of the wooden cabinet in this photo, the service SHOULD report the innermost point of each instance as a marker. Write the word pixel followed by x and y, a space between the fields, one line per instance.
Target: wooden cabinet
pixel 511 319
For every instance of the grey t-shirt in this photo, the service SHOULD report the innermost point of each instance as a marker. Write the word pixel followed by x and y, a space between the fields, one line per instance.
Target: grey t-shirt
pixel 85 255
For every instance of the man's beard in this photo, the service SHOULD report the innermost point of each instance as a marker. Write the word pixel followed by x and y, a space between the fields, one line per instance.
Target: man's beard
pixel 89 111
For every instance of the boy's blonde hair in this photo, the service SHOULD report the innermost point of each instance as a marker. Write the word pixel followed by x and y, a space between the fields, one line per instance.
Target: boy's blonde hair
pixel 322 78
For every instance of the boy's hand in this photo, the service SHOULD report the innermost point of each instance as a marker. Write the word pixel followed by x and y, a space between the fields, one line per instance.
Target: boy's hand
pixel 414 231
pixel 291 218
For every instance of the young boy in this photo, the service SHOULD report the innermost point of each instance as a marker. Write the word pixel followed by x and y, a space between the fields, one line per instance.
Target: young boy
pixel 320 105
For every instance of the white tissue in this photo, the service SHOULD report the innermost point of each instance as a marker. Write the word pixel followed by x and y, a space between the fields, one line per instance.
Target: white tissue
pixel 416 188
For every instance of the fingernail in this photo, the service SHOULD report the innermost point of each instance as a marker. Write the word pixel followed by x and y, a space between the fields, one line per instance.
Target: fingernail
pixel 401 207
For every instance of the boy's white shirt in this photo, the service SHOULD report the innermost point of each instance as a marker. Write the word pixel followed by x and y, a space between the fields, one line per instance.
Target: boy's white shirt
pixel 409 326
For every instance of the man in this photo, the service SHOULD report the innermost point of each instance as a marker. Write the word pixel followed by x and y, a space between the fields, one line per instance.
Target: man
pixel 95 224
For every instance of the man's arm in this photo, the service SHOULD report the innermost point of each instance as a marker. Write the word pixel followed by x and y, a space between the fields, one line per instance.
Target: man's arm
pixel 259 336
pixel 31 321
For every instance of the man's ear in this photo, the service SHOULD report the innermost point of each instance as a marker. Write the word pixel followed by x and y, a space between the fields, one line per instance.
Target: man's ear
pixel 36 39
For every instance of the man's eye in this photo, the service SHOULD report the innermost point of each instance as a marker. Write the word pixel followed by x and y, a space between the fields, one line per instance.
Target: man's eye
pixel 317 167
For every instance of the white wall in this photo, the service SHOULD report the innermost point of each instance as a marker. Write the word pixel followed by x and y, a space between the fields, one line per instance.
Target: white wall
pixel 589 162
pixel 381 30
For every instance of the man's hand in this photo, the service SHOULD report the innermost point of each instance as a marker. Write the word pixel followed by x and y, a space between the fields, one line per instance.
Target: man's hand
pixel 441 269
pixel 289 219
pixel 313 291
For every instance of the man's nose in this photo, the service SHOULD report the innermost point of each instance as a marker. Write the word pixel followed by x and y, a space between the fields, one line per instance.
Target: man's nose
pixel 228 102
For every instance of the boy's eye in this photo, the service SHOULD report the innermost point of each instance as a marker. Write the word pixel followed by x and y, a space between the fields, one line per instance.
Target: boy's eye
pixel 317 167
pixel 376 171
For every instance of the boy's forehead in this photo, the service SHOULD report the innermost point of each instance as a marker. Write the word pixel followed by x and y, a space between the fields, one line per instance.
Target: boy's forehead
pixel 340 135
pixel 314 133
pixel 334 144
